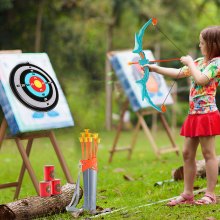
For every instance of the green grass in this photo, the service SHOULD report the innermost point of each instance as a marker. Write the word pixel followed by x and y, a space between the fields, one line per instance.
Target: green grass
pixel 113 191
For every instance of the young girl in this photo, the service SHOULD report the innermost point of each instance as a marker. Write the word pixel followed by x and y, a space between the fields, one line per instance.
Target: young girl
pixel 203 121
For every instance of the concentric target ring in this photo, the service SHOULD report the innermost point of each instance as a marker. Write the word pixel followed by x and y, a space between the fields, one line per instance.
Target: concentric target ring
pixel 33 87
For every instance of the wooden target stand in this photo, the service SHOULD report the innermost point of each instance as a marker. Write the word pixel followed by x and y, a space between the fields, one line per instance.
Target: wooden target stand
pixel 25 152
pixel 142 123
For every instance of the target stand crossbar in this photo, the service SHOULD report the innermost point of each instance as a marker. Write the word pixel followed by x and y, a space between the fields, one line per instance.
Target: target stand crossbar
pixel 142 123
pixel 26 164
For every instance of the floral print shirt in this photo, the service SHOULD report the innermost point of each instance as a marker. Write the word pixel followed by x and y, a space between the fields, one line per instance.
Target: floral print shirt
pixel 202 98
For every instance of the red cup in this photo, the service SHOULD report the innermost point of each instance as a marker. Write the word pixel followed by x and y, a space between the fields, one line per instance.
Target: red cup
pixel 48 172
pixel 55 187
pixel 45 189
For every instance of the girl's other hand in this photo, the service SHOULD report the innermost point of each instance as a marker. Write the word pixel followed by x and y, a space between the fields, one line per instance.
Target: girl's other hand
pixel 152 68
pixel 187 60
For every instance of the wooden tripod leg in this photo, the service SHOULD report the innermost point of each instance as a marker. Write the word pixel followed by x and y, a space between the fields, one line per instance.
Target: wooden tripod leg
pixel 133 141
pixel 2 131
pixel 119 128
pixel 164 122
pixel 23 168
pixel 60 157
pixel 148 134
pixel 27 164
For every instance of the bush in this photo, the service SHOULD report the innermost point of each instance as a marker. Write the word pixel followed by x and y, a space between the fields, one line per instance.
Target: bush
pixel 87 108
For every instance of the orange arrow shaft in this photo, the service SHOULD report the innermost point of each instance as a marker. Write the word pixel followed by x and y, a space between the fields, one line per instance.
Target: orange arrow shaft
pixel 156 61
pixel 166 60
pixel 82 147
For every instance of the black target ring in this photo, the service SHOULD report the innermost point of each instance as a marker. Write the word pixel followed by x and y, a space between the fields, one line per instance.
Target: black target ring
pixel 33 87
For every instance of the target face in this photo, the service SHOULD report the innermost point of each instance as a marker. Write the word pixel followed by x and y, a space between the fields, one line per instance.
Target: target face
pixel 33 87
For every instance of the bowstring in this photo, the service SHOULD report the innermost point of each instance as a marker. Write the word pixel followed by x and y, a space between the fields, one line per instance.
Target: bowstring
pixel 182 53
pixel 172 42
pixel 172 86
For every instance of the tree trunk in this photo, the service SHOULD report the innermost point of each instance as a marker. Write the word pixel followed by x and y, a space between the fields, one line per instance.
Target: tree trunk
pixel 108 77
pixel 177 174
pixel 38 26
pixel 36 206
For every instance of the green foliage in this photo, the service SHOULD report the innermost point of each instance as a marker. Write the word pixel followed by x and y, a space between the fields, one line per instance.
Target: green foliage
pixel 5 4
pixel 182 109
pixel 77 34
pixel 87 108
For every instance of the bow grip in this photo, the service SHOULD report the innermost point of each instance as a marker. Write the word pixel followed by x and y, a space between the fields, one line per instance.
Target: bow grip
pixel 143 62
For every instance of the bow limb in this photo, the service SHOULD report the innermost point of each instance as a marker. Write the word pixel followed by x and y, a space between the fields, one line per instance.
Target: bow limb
pixel 142 82
pixel 139 37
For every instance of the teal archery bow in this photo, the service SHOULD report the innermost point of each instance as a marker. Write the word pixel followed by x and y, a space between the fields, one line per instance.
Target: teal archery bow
pixel 143 61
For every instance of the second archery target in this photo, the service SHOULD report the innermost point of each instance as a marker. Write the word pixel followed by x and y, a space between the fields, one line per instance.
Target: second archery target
pixel 128 76
pixel 33 87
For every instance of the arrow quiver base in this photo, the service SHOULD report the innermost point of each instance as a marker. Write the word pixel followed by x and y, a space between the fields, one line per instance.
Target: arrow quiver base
pixel 88 166
pixel 89 169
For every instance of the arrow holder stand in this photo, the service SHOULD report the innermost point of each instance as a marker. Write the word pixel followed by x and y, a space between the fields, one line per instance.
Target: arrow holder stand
pixel 90 183
pixel 88 167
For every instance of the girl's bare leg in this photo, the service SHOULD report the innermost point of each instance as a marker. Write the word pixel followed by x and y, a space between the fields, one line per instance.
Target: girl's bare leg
pixel 208 150
pixel 189 155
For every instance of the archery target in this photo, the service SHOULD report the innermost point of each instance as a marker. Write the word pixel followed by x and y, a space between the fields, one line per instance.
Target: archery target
pixel 128 75
pixel 33 87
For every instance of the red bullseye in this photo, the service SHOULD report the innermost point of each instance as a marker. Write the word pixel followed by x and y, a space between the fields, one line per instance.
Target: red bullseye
pixel 37 84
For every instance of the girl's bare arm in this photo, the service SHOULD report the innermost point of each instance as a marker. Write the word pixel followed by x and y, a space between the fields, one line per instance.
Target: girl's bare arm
pixel 200 79
pixel 171 72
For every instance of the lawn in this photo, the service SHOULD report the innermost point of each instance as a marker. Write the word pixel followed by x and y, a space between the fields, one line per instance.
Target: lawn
pixel 134 197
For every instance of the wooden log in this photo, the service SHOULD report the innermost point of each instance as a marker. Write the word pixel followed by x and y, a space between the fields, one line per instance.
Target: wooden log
pixel 177 174
pixel 36 206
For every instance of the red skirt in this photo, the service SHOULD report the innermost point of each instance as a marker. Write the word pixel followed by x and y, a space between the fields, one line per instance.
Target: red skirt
pixel 198 125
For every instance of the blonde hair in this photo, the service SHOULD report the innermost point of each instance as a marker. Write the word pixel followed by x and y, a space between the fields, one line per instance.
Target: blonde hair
pixel 211 36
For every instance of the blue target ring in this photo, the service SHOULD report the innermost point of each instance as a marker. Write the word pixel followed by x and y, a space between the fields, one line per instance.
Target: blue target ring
pixel 33 91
